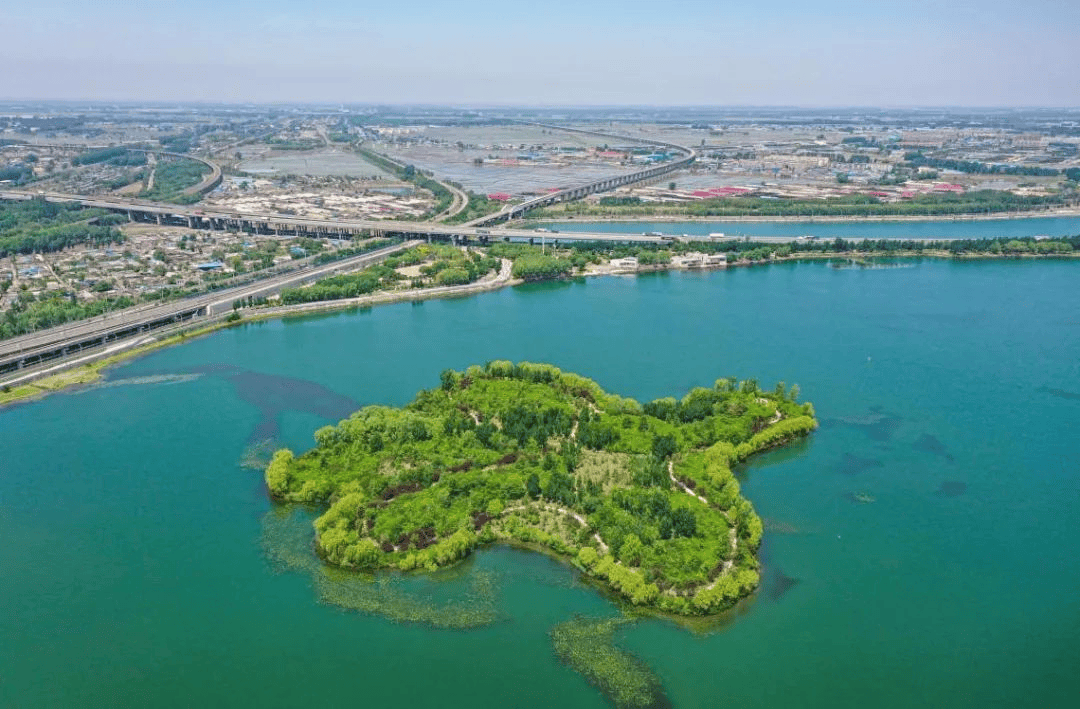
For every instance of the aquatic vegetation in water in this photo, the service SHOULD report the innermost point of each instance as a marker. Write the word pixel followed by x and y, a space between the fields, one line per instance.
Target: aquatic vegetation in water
pixel 869 264
pixel 1061 393
pixel 258 455
pixel 931 444
pixel 272 394
pixel 853 464
pixel 587 645
pixel 287 539
pixel 778 527
pixel 952 488
pixel 780 584
pixel 877 425
pixel 140 381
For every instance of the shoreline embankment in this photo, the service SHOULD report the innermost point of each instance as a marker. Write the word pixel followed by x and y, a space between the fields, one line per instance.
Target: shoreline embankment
pixel 836 218
pixel 88 368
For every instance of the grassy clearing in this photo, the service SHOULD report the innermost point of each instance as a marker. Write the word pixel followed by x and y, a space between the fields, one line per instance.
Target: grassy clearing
pixel 606 469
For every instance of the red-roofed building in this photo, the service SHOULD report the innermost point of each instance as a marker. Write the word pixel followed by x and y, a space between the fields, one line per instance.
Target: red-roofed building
pixel 499 196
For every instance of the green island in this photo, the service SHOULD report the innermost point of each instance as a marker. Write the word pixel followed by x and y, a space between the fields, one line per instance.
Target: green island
pixel 641 498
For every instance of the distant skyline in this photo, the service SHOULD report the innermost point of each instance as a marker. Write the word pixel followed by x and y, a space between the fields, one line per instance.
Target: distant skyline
pixel 985 53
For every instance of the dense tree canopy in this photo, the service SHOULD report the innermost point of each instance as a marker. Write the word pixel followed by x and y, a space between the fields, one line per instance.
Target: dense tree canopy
pixel 37 226
pixel 641 497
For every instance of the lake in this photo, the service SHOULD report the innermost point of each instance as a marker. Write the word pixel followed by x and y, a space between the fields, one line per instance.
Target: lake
pixel 920 547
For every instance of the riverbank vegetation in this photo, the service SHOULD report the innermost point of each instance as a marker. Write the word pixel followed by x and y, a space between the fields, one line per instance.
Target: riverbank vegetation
pixel 425 266
pixel 660 254
pixel 852 205
pixel 640 497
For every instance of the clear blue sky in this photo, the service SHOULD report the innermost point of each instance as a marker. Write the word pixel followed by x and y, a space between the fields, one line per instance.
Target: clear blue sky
pixel 554 52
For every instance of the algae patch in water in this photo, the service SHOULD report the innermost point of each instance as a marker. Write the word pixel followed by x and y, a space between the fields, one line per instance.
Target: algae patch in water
pixel 587 646
pixel 258 455
pixel 287 538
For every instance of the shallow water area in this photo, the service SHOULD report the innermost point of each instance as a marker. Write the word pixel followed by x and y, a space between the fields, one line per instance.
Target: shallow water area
pixel 136 569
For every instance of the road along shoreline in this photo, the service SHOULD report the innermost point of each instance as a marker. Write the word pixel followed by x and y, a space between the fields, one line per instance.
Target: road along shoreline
pixel 88 368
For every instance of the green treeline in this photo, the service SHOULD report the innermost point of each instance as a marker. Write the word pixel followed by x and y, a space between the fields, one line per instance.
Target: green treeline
pixel 959 247
pixel 350 285
pixel 110 156
pixel 37 226
pixel 294 143
pixel 853 205
pixel 531 264
pixel 536 267
pixel 366 247
pixel 180 143
pixel 753 250
pixel 58 238
pixel 443 197
pixel 29 314
pixel 172 177
pixel 16 174
pixel 479 206
pixel 528 454
pixel 443 265
pixel 917 159
pixel 619 201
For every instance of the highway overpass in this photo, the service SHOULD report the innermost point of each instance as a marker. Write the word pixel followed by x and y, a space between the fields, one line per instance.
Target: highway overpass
pixel 283 225
pixel 198 217
pixel 570 194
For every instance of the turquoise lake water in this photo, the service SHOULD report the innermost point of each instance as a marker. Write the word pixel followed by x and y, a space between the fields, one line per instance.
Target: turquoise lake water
pixel 135 571
pixel 932 229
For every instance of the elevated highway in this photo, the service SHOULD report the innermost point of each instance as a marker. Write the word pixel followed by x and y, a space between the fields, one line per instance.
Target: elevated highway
pixel 54 343
pixel 198 217
pixel 570 194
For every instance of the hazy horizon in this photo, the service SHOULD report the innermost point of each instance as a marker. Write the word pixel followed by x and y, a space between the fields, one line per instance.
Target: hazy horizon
pixel 475 53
